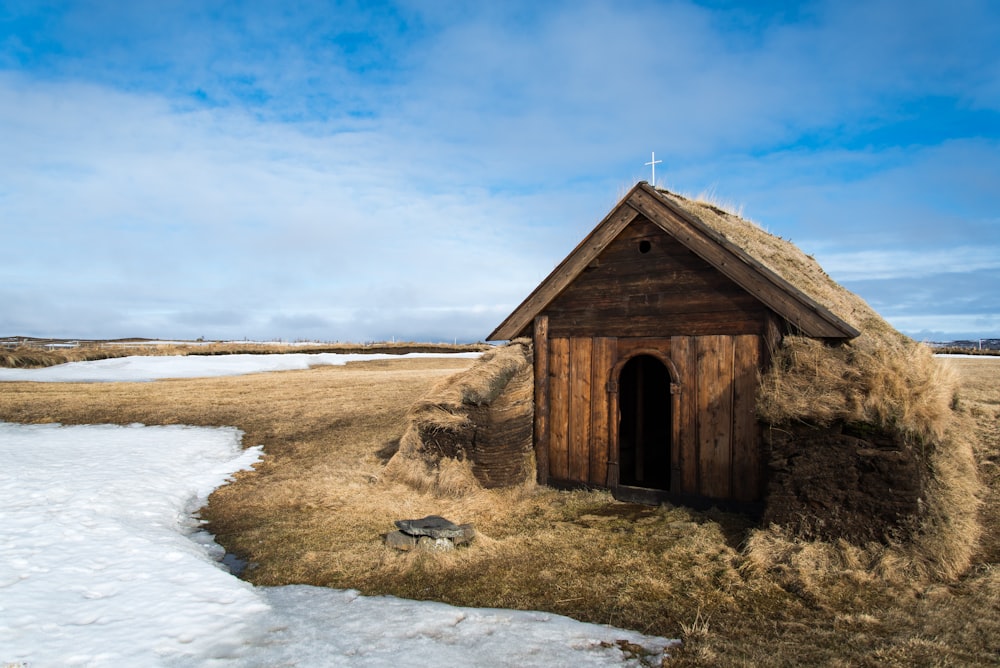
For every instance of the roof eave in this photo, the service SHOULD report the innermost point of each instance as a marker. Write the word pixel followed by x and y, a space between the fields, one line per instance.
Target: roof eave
pixel 782 297
pixel 788 302
pixel 518 322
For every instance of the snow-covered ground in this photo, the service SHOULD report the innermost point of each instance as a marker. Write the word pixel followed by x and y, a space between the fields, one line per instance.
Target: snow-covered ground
pixel 139 368
pixel 102 564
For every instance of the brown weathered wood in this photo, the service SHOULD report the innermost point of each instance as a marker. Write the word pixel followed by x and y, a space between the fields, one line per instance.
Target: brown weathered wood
pixel 697 324
pixel 715 415
pixel 784 298
pixel 603 361
pixel 674 291
pixel 648 295
pixel 657 346
pixel 580 420
pixel 752 281
pixel 623 272
pixel 684 353
pixel 564 273
pixel 614 453
pixel 746 447
pixel 559 408
pixel 541 368
pixel 660 278
pixel 627 246
pixel 676 461
pixel 657 308
pixel 770 340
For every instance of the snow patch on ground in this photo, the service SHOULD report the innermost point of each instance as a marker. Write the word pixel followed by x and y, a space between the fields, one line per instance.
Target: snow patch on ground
pixel 139 368
pixel 102 564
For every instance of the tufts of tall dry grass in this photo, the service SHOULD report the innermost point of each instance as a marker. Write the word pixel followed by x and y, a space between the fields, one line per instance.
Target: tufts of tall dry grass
pixel 881 379
pixel 480 384
pixel 31 357
pixel 448 429
pixel 890 382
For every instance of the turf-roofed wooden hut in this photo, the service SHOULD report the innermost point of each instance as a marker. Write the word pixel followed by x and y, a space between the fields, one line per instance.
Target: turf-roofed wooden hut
pixel 681 352
pixel 649 339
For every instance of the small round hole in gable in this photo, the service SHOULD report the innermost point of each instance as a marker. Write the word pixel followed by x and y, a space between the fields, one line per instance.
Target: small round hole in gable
pixel 645 245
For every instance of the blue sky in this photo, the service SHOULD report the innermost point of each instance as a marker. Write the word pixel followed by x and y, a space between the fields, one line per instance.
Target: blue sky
pixel 412 170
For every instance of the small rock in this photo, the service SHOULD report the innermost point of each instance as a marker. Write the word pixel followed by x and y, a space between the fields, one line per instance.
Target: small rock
pixel 401 541
pixel 435 544
pixel 468 533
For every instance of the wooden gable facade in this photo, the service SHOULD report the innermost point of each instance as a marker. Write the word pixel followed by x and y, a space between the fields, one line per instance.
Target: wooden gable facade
pixel 648 339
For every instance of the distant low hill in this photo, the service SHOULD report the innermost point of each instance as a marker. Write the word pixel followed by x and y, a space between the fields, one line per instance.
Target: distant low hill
pixel 985 346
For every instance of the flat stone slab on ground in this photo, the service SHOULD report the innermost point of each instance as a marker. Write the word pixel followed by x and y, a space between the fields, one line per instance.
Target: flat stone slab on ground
pixel 434 526
pixel 431 532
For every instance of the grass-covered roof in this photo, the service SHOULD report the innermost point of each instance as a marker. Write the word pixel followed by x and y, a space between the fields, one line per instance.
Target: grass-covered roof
pixel 881 380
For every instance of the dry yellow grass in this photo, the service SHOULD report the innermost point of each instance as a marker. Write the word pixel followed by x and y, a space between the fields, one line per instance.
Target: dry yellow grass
pixel 35 356
pixel 30 357
pixel 980 399
pixel 314 509
pixel 442 448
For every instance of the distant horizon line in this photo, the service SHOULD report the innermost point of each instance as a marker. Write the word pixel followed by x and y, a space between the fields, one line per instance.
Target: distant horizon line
pixel 363 342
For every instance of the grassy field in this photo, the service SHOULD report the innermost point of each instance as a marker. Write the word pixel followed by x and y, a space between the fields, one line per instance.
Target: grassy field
pixel 314 511
pixel 37 355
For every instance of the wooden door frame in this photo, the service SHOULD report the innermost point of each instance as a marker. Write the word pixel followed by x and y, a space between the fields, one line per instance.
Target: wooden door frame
pixel 614 421
pixel 540 434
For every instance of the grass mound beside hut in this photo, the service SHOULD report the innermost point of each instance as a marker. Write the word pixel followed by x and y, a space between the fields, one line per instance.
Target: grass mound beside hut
pixel 870 459
pixel 474 429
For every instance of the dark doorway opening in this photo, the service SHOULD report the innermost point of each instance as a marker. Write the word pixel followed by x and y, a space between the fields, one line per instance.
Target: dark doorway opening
pixel 644 427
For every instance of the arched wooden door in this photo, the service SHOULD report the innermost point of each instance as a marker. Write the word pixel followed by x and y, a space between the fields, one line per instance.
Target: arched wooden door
pixel 644 401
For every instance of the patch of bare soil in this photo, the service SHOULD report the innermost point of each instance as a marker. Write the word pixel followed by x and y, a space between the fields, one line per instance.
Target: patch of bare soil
pixel 831 483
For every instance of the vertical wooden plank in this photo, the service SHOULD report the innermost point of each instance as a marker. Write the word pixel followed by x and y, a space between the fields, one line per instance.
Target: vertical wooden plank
pixel 580 374
pixel 676 462
pixel 559 408
pixel 600 435
pixel 541 358
pixel 771 339
pixel 674 406
pixel 683 353
pixel 715 415
pixel 746 446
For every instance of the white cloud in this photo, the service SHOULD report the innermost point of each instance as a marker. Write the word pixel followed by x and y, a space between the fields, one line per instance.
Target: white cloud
pixel 177 221
pixel 902 263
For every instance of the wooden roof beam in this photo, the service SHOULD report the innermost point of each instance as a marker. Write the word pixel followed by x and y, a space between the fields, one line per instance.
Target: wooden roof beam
pixel 557 281
pixel 774 291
